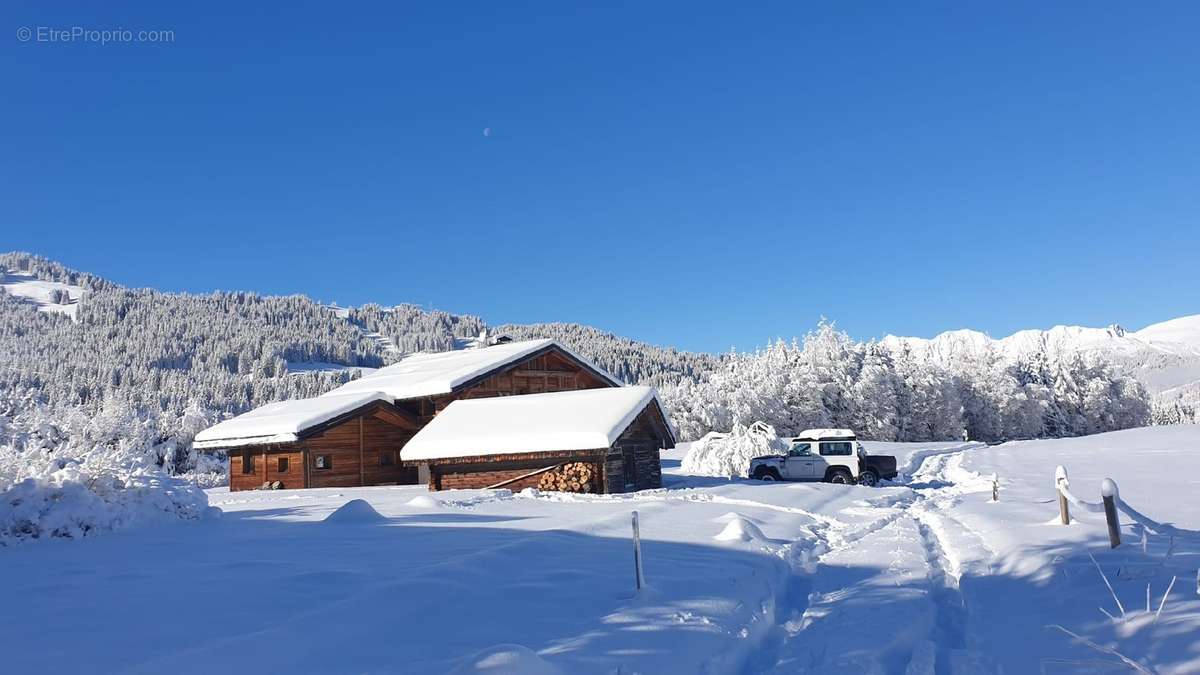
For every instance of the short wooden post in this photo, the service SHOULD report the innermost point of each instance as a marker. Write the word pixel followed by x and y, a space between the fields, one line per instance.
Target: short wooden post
pixel 637 554
pixel 995 487
pixel 1110 494
pixel 1060 482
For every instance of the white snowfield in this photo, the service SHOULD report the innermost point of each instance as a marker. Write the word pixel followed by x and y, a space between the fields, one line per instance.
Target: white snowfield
pixel 929 576
pixel 586 419
pixel 282 421
pixel 40 293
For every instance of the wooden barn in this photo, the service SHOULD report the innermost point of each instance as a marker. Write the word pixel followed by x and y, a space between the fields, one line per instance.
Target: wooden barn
pixel 601 440
pixel 354 434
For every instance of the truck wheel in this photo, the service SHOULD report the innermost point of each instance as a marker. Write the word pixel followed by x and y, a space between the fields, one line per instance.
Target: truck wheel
pixel 869 478
pixel 841 477
pixel 769 475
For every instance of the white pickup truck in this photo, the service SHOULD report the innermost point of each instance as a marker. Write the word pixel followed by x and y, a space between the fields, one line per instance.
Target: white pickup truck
pixel 830 455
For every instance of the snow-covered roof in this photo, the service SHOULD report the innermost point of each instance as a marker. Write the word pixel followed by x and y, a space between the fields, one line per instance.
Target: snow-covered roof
pixel 282 421
pixel 414 376
pixel 826 434
pixel 587 419
pixel 422 375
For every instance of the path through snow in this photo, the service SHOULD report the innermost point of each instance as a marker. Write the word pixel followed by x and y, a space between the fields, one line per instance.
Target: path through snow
pixel 907 616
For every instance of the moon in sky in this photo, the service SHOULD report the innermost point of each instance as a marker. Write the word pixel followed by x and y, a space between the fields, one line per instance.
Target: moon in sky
pixel 487 131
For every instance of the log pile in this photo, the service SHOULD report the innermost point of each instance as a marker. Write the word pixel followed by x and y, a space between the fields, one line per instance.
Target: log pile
pixel 570 477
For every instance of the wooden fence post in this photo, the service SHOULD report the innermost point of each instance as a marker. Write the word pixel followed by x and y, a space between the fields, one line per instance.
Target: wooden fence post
pixel 639 580
pixel 1060 481
pixel 1110 494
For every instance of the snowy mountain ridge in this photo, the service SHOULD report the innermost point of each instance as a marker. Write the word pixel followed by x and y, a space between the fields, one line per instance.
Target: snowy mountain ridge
pixel 1164 356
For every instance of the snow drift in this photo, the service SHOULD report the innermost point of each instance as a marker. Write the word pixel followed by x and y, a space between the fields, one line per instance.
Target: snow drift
pixel 355 512
pixel 506 660
pixel 739 528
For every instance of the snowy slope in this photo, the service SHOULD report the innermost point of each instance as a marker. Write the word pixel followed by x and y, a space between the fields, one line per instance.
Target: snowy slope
pixel 1162 356
pixel 40 293
pixel 1178 333
pixel 743 577
pixel 298 367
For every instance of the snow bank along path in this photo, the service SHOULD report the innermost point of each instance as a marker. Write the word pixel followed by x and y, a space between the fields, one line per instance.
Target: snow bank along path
pixel 744 577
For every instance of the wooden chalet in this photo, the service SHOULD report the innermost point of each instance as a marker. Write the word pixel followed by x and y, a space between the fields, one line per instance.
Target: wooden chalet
pixel 353 435
pixel 596 441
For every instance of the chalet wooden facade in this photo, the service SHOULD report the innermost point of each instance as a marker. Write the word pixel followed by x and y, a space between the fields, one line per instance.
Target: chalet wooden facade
pixel 609 441
pixel 359 448
pixel 354 435
pixel 551 369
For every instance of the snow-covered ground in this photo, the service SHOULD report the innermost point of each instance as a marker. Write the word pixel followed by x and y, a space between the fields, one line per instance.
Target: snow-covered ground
pixel 928 576
pixel 41 293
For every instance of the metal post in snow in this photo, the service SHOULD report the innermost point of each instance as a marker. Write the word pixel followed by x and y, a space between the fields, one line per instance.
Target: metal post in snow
pixel 1060 482
pixel 637 554
pixel 1110 494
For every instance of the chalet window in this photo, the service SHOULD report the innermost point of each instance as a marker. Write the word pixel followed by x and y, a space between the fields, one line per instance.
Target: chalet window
pixel 387 458
pixel 283 465
pixel 247 462
pixel 323 462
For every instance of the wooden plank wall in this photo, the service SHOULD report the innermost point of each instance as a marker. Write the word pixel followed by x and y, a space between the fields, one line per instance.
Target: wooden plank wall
pixel 379 437
pixel 552 371
pixel 266 467
pixel 355 447
pixel 640 444
pixel 293 477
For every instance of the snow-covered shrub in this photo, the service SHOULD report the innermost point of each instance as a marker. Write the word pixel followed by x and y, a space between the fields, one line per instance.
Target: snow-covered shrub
pixel 72 503
pixel 76 474
pixel 729 455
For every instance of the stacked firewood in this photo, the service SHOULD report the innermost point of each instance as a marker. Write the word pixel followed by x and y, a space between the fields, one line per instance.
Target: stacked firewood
pixel 570 477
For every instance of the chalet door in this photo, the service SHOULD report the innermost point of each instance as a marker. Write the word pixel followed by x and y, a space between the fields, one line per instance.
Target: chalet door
pixel 629 461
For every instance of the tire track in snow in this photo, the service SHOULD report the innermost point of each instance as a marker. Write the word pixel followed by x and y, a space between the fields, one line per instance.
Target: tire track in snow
pixel 950 610
pixel 940 483
pixel 920 516
pixel 936 485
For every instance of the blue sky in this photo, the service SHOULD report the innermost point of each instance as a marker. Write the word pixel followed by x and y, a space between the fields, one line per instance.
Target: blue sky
pixel 703 176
